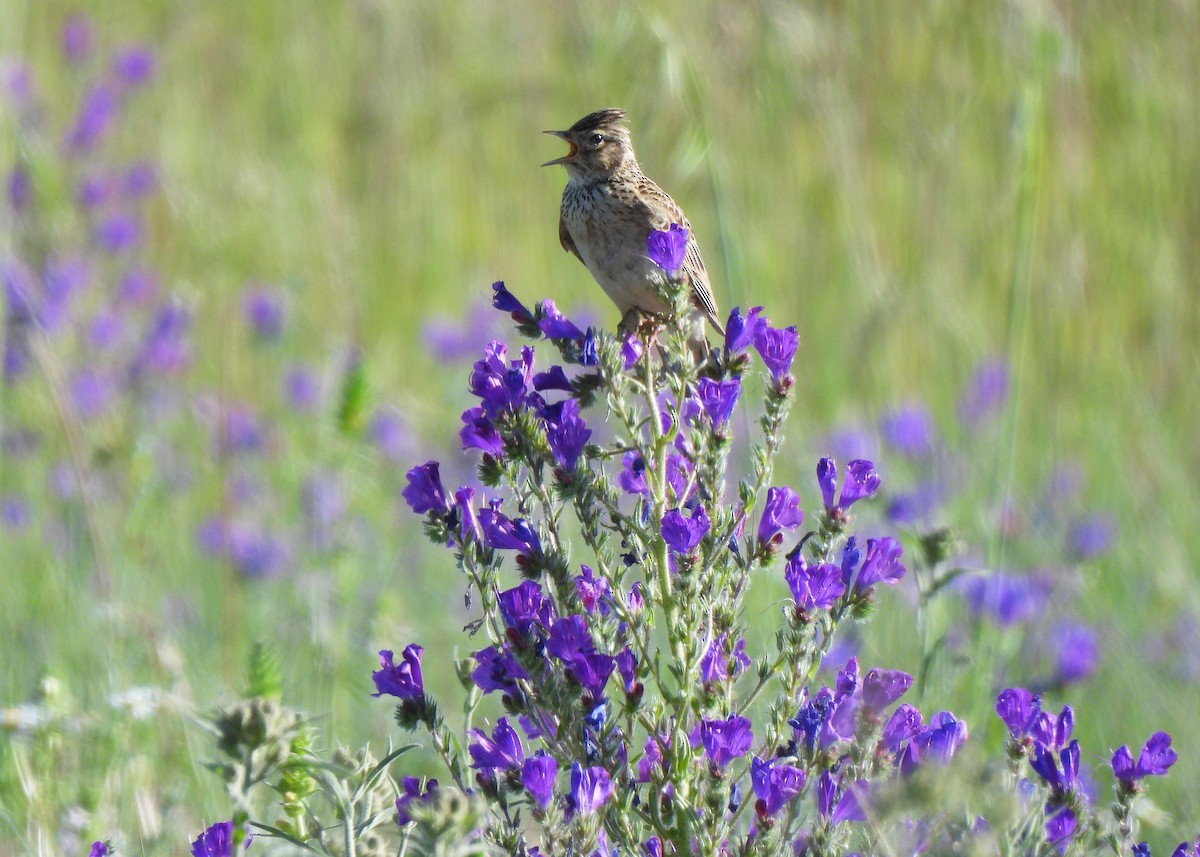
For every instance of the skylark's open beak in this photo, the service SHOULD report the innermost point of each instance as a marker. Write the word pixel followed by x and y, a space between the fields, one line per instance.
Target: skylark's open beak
pixel 574 149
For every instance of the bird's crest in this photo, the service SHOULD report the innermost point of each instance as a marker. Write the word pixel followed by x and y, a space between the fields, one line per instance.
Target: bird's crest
pixel 605 118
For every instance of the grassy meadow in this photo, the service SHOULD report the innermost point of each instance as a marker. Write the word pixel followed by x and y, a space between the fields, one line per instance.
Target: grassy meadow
pixel 921 189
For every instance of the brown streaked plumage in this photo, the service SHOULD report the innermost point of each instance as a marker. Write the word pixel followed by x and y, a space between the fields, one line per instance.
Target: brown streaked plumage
pixel 609 208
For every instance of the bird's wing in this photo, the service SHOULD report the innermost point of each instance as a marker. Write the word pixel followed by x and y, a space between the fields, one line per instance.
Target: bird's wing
pixel 565 239
pixel 664 212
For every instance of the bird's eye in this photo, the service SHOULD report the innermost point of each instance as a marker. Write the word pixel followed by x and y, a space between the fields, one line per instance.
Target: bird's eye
pixel 597 139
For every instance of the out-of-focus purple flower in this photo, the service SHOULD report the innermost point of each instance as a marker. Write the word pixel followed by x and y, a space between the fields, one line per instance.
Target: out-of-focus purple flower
pixel 719 398
pixel 94 190
pixel 538 775
pixel 775 784
pixel 1060 826
pixel 138 286
pixel 256 553
pixel 1156 759
pixel 781 511
pixel 777 348
pixel 14 513
pixel 503 533
pixel 166 348
pixel 96 116
pixel 883 687
pixel 1008 598
pixel 668 249
pixel 740 331
pixel 119 232
pixel 99 849
pixel 986 394
pixel 1076 652
pixel 881 564
pixel 106 330
pixel 20 188
pixel 265 311
pixel 478 432
pixel 425 492
pixel 909 429
pixel 63 279
pixel 501 751
pixel 139 180
pixel 683 534
pixel 814 587
pixel 403 680
pixel 217 841
pixel 632 351
pixel 497 671
pixel 555 325
pixel 240 430
pixel 1091 537
pixel 135 65
pixel 411 788
pixel 323 501
pixel 77 38
pixel 723 740
pixel 525 606
pixel 836 804
pixel 91 393
pixel 303 394
pixel 568 435
pixel 590 789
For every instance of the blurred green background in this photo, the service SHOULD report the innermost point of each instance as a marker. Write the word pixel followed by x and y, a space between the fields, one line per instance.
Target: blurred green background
pixel 917 187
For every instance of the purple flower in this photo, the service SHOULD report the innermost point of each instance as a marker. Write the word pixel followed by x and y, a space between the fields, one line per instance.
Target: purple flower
pixel 814 587
pixel 1017 707
pixel 938 741
pixel 256 553
pixel 502 387
pixel 99 849
pixel 538 775
pixel 469 529
pixel 1008 598
pixel 652 847
pixel 1091 537
pixel 668 249
pixel 568 435
pixel 777 348
pixel 424 492
pixel 632 351
pixel 835 804
pixel 590 789
pixel 478 432
pixel 502 533
pixel 402 680
pixel 775 784
pixel 592 670
pixel 555 379
pixel 1063 780
pixel 501 751
pixel 682 534
pixel 303 392
pixel 1077 649
pixel 20 188
pixel 411 786
pixel 740 332
pixel 883 687
pixel 723 740
pixel 265 312
pixel 91 393
pixel 1156 759
pixel 555 325
pixel 569 638
pixel 593 591
pixel 119 231
pixel 904 723
pixel 166 348
pixel 881 565
pixel 717 665
pixel 496 671
pixel 503 300
pixel 139 180
pixel 525 607
pixel 1060 826
pixel 780 512
pixel 216 841
pixel 861 481
pixel 719 398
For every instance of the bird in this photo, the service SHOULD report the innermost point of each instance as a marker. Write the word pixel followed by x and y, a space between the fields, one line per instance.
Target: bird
pixel 609 209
